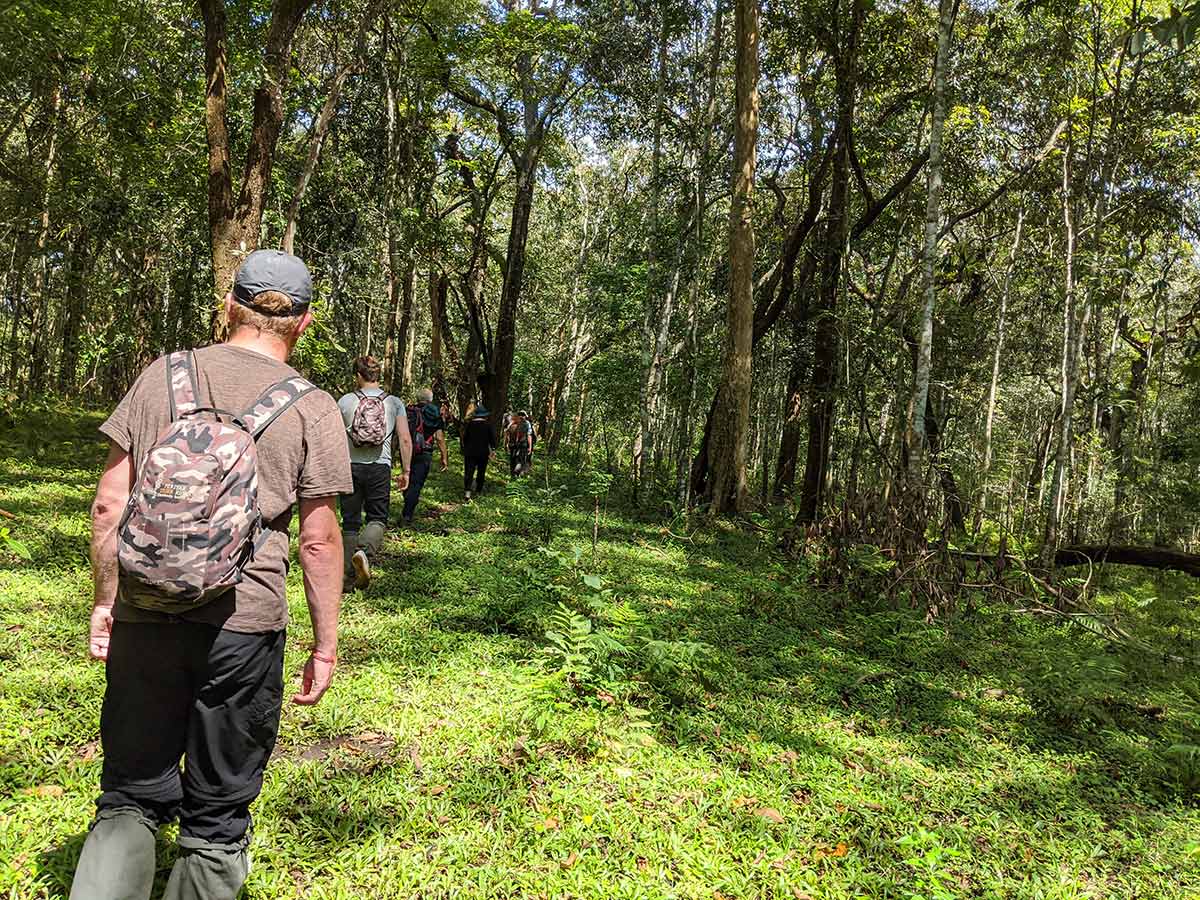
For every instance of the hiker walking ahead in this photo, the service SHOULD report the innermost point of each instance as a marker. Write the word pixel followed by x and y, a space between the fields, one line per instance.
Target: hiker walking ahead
pixel 426 429
pixel 370 416
pixel 520 439
pixel 478 441
pixel 209 450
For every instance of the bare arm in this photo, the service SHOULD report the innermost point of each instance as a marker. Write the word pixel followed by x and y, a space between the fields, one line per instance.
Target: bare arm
pixel 112 495
pixel 404 442
pixel 321 559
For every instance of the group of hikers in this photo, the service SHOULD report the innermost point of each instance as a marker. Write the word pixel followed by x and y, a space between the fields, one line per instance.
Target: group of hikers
pixel 209 452
pixel 379 427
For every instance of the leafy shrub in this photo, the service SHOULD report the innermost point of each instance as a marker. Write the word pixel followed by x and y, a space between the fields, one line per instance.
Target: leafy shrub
pixel 604 649
pixel 1072 687
pixel 1180 768
pixel 534 509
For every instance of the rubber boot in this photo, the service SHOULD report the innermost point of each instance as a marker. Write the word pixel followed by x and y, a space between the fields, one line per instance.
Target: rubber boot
pixel 208 871
pixel 117 862
pixel 370 538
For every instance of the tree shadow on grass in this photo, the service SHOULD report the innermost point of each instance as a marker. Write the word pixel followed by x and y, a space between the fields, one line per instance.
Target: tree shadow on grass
pixel 875 670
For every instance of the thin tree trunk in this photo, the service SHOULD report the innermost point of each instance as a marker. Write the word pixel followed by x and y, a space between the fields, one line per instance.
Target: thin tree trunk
pixel 997 356
pixel 316 139
pixel 917 436
pixel 793 404
pixel 653 312
pixel 505 345
pixel 1073 330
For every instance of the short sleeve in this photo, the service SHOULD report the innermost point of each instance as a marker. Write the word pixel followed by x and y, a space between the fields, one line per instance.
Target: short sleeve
pixel 326 469
pixel 346 406
pixel 130 412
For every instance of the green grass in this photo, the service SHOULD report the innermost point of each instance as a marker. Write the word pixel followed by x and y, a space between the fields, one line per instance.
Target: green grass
pixel 812 745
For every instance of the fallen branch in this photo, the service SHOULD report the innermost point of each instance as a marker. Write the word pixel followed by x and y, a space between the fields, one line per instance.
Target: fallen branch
pixel 1085 555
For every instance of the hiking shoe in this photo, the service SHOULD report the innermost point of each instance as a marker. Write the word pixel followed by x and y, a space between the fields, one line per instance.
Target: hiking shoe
pixel 468 496
pixel 362 569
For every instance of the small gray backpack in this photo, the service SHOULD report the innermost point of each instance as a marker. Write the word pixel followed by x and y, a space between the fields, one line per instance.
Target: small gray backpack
pixel 193 522
pixel 368 427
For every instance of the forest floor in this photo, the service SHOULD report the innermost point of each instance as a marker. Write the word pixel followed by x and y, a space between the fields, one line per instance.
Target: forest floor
pixel 705 723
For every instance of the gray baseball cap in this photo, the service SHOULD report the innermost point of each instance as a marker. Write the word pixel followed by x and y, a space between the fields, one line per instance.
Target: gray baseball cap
pixel 273 270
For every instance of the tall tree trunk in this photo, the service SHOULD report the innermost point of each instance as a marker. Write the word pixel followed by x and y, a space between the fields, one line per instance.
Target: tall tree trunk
pixel 39 308
pixel 793 402
pixel 402 374
pixel 505 345
pixel 79 268
pixel 17 273
pixel 822 396
pixel 652 311
pixel 917 437
pixel 234 221
pixel 1073 330
pixel 689 473
pixel 728 488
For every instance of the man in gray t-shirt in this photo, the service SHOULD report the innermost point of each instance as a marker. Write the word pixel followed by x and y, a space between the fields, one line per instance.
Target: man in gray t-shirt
pixel 371 465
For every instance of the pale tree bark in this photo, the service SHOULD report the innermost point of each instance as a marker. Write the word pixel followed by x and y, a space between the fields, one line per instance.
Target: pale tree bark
pixel 997 356
pixel 316 138
pixel 1073 330
pixel 575 327
pixel 683 483
pixel 234 219
pixel 653 311
pixel 918 438
pixel 728 490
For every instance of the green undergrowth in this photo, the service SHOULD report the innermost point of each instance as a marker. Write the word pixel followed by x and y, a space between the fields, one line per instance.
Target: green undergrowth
pixel 681 713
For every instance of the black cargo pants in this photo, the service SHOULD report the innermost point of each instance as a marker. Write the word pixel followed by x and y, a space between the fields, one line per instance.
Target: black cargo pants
pixel 191 691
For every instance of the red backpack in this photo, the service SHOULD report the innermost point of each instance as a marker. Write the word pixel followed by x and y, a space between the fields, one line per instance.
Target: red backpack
pixel 422 442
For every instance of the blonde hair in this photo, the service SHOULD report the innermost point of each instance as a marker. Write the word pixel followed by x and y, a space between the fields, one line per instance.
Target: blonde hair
pixel 282 327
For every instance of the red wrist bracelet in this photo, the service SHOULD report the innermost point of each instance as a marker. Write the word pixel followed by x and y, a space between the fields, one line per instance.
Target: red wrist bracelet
pixel 317 654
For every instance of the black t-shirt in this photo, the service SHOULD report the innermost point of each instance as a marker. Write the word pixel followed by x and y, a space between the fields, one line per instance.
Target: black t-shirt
pixel 478 438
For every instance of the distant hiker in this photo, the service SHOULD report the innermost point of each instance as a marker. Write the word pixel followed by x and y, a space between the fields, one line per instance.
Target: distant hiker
pixel 478 441
pixel 370 415
pixel 519 438
pixel 449 420
pixel 208 451
pixel 506 421
pixel 427 430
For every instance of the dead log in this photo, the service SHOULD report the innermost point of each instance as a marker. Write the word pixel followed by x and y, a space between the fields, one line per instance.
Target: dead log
pixel 1085 554
pixel 1148 557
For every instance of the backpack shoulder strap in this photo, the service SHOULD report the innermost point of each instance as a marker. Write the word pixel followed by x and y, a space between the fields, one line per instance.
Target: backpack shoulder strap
pixel 181 383
pixel 273 402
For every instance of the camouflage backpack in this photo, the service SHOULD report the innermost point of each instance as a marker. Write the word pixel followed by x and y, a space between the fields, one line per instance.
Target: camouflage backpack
pixel 369 425
pixel 193 522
